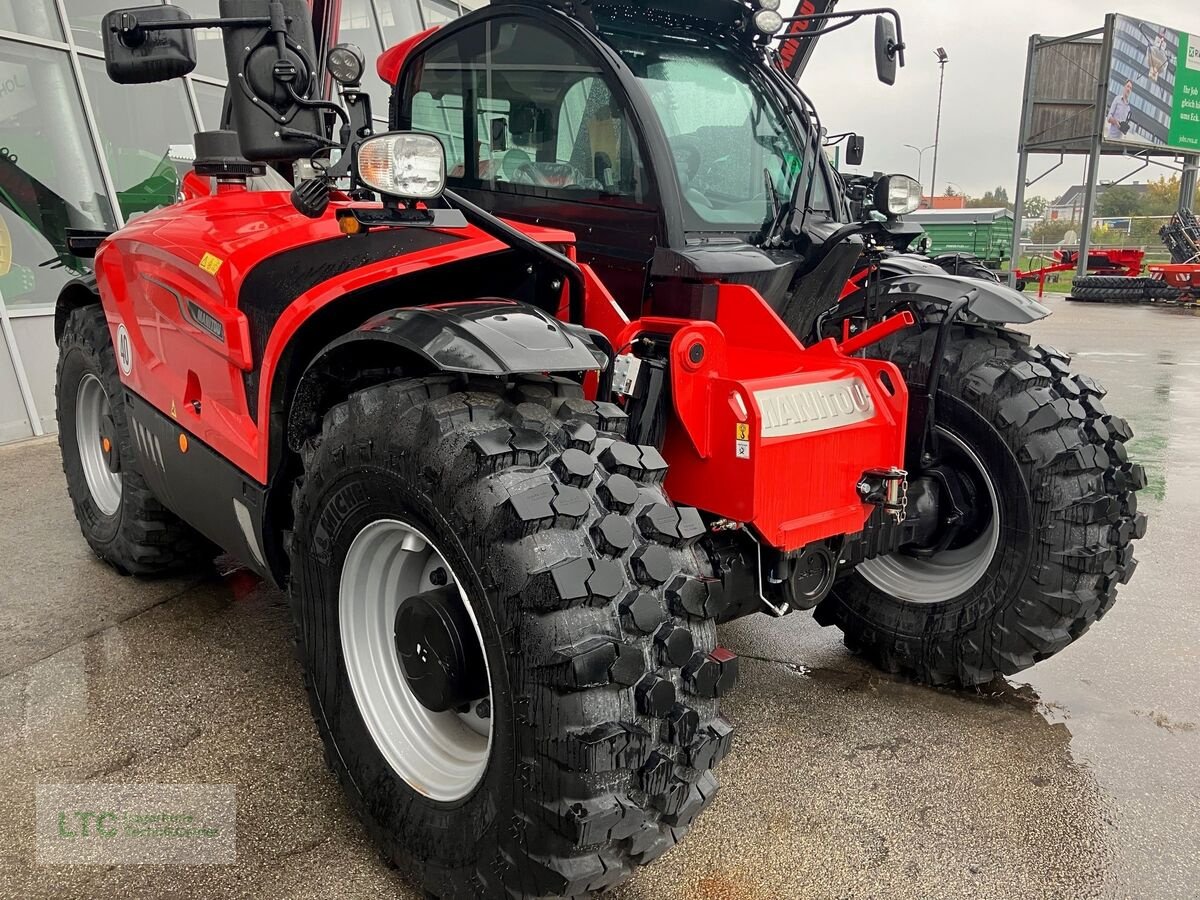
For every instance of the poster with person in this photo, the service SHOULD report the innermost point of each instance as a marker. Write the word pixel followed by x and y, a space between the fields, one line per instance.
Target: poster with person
pixel 1153 86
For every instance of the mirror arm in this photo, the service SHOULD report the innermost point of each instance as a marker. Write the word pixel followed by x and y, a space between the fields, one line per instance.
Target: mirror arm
pixel 129 23
pixel 850 17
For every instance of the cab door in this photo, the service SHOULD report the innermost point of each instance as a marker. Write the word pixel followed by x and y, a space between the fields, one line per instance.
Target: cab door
pixel 537 129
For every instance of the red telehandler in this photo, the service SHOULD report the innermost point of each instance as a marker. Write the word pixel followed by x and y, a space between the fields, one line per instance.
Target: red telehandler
pixel 521 398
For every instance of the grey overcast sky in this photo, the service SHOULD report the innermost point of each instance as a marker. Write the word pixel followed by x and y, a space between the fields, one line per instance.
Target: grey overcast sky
pixel 987 41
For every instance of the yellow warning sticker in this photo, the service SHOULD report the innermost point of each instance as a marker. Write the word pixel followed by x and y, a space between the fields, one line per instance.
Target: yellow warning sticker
pixel 210 263
pixel 743 431
pixel 174 412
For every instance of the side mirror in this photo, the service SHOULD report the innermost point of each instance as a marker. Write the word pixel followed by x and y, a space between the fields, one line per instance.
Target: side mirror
pixel 887 49
pixel 854 150
pixel 147 43
pixel 897 195
pixel 403 165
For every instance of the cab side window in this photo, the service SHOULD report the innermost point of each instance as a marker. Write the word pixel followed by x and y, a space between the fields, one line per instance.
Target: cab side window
pixel 519 107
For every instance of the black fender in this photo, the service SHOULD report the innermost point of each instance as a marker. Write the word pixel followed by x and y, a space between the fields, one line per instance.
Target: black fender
pixel 77 292
pixel 997 304
pixel 488 337
pixel 895 265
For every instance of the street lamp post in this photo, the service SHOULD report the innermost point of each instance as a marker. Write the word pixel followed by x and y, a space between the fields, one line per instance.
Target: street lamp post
pixel 943 57
pixel 920 158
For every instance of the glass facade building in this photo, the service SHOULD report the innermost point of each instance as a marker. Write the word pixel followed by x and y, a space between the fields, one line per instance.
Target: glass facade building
pixel 77 150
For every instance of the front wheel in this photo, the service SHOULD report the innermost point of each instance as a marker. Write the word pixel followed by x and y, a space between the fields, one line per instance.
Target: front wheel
pixel 509 646
pixel 122 521
pixel 1050 520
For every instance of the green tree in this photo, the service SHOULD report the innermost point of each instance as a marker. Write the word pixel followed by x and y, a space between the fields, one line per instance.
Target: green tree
pixel 1118 200
pixel 1104 236
pixel 1144 232
pixel 994 199
pixel 1035 207
pixel 1162 197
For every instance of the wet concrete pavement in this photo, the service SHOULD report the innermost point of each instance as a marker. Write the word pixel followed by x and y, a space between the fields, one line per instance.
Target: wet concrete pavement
pixel 1080 778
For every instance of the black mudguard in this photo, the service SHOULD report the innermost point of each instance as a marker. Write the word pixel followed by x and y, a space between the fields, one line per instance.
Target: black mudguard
pixel 916 285
pixel 997 304
pixel 80 291
pixel 491 337
pixel 483 337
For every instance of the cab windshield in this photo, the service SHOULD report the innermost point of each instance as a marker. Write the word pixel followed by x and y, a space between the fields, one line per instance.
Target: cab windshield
pixel 737 160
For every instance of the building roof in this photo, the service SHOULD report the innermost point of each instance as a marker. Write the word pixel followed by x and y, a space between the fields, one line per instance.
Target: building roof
pixel 943 202
pixel 958 216
pixel 1073 196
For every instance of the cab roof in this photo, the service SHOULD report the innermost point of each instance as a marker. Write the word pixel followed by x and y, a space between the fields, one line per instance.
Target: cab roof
pixel 722 19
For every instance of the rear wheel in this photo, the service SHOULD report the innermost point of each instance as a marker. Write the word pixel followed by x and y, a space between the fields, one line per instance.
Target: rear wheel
pixel 123 522
pixel 509 646
pixel 1047 538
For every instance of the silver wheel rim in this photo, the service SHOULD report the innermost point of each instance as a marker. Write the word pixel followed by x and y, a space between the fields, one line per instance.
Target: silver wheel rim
pixel 91 408
pixel 441 755
pixel 950 573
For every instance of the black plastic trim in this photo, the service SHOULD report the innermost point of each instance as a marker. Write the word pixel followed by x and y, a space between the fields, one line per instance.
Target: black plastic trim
pixel 271 286
pixel 81 291
pixel 484 337
pixel 994 303
pixel 199 485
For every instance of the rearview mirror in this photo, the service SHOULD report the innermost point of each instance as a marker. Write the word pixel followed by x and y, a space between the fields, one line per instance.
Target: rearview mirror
pixel 886 49
pixel 854 150
pixel 137 50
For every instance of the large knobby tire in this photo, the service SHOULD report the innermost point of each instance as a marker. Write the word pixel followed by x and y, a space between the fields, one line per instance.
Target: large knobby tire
pixel 592 609
pixel 1064 488
pixel 1104 295
pixel 967 268
pixel 121 519
pixel 1118 282
pixel 1114 288
pixel 1160 289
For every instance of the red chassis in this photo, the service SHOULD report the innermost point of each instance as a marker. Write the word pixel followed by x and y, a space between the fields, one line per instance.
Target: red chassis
pixel 766 432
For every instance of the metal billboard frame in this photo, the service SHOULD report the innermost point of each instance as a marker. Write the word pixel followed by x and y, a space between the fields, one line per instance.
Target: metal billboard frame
pixel 1092 142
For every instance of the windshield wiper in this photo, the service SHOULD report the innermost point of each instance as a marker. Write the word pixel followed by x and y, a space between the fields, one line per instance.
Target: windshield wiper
pixel 772 223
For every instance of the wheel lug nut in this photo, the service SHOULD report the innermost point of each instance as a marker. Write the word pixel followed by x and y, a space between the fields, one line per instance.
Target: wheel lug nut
pixel 484 709
pixel 438 576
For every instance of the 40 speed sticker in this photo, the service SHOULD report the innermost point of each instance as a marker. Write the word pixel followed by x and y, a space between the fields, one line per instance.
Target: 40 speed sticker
pixel 124 350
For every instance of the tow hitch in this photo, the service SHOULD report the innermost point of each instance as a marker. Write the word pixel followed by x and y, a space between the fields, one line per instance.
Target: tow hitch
pixel 887 489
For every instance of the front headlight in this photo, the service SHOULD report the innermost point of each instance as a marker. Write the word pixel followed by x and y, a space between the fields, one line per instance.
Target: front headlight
pixel 768 4
pixel 897 195
pixel 404 164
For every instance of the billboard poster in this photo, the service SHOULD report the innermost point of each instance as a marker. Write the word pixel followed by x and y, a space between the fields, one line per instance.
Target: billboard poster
pixel 1153 87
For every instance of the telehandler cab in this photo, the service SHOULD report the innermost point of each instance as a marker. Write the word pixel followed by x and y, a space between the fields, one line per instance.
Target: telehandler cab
pixel 519 400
